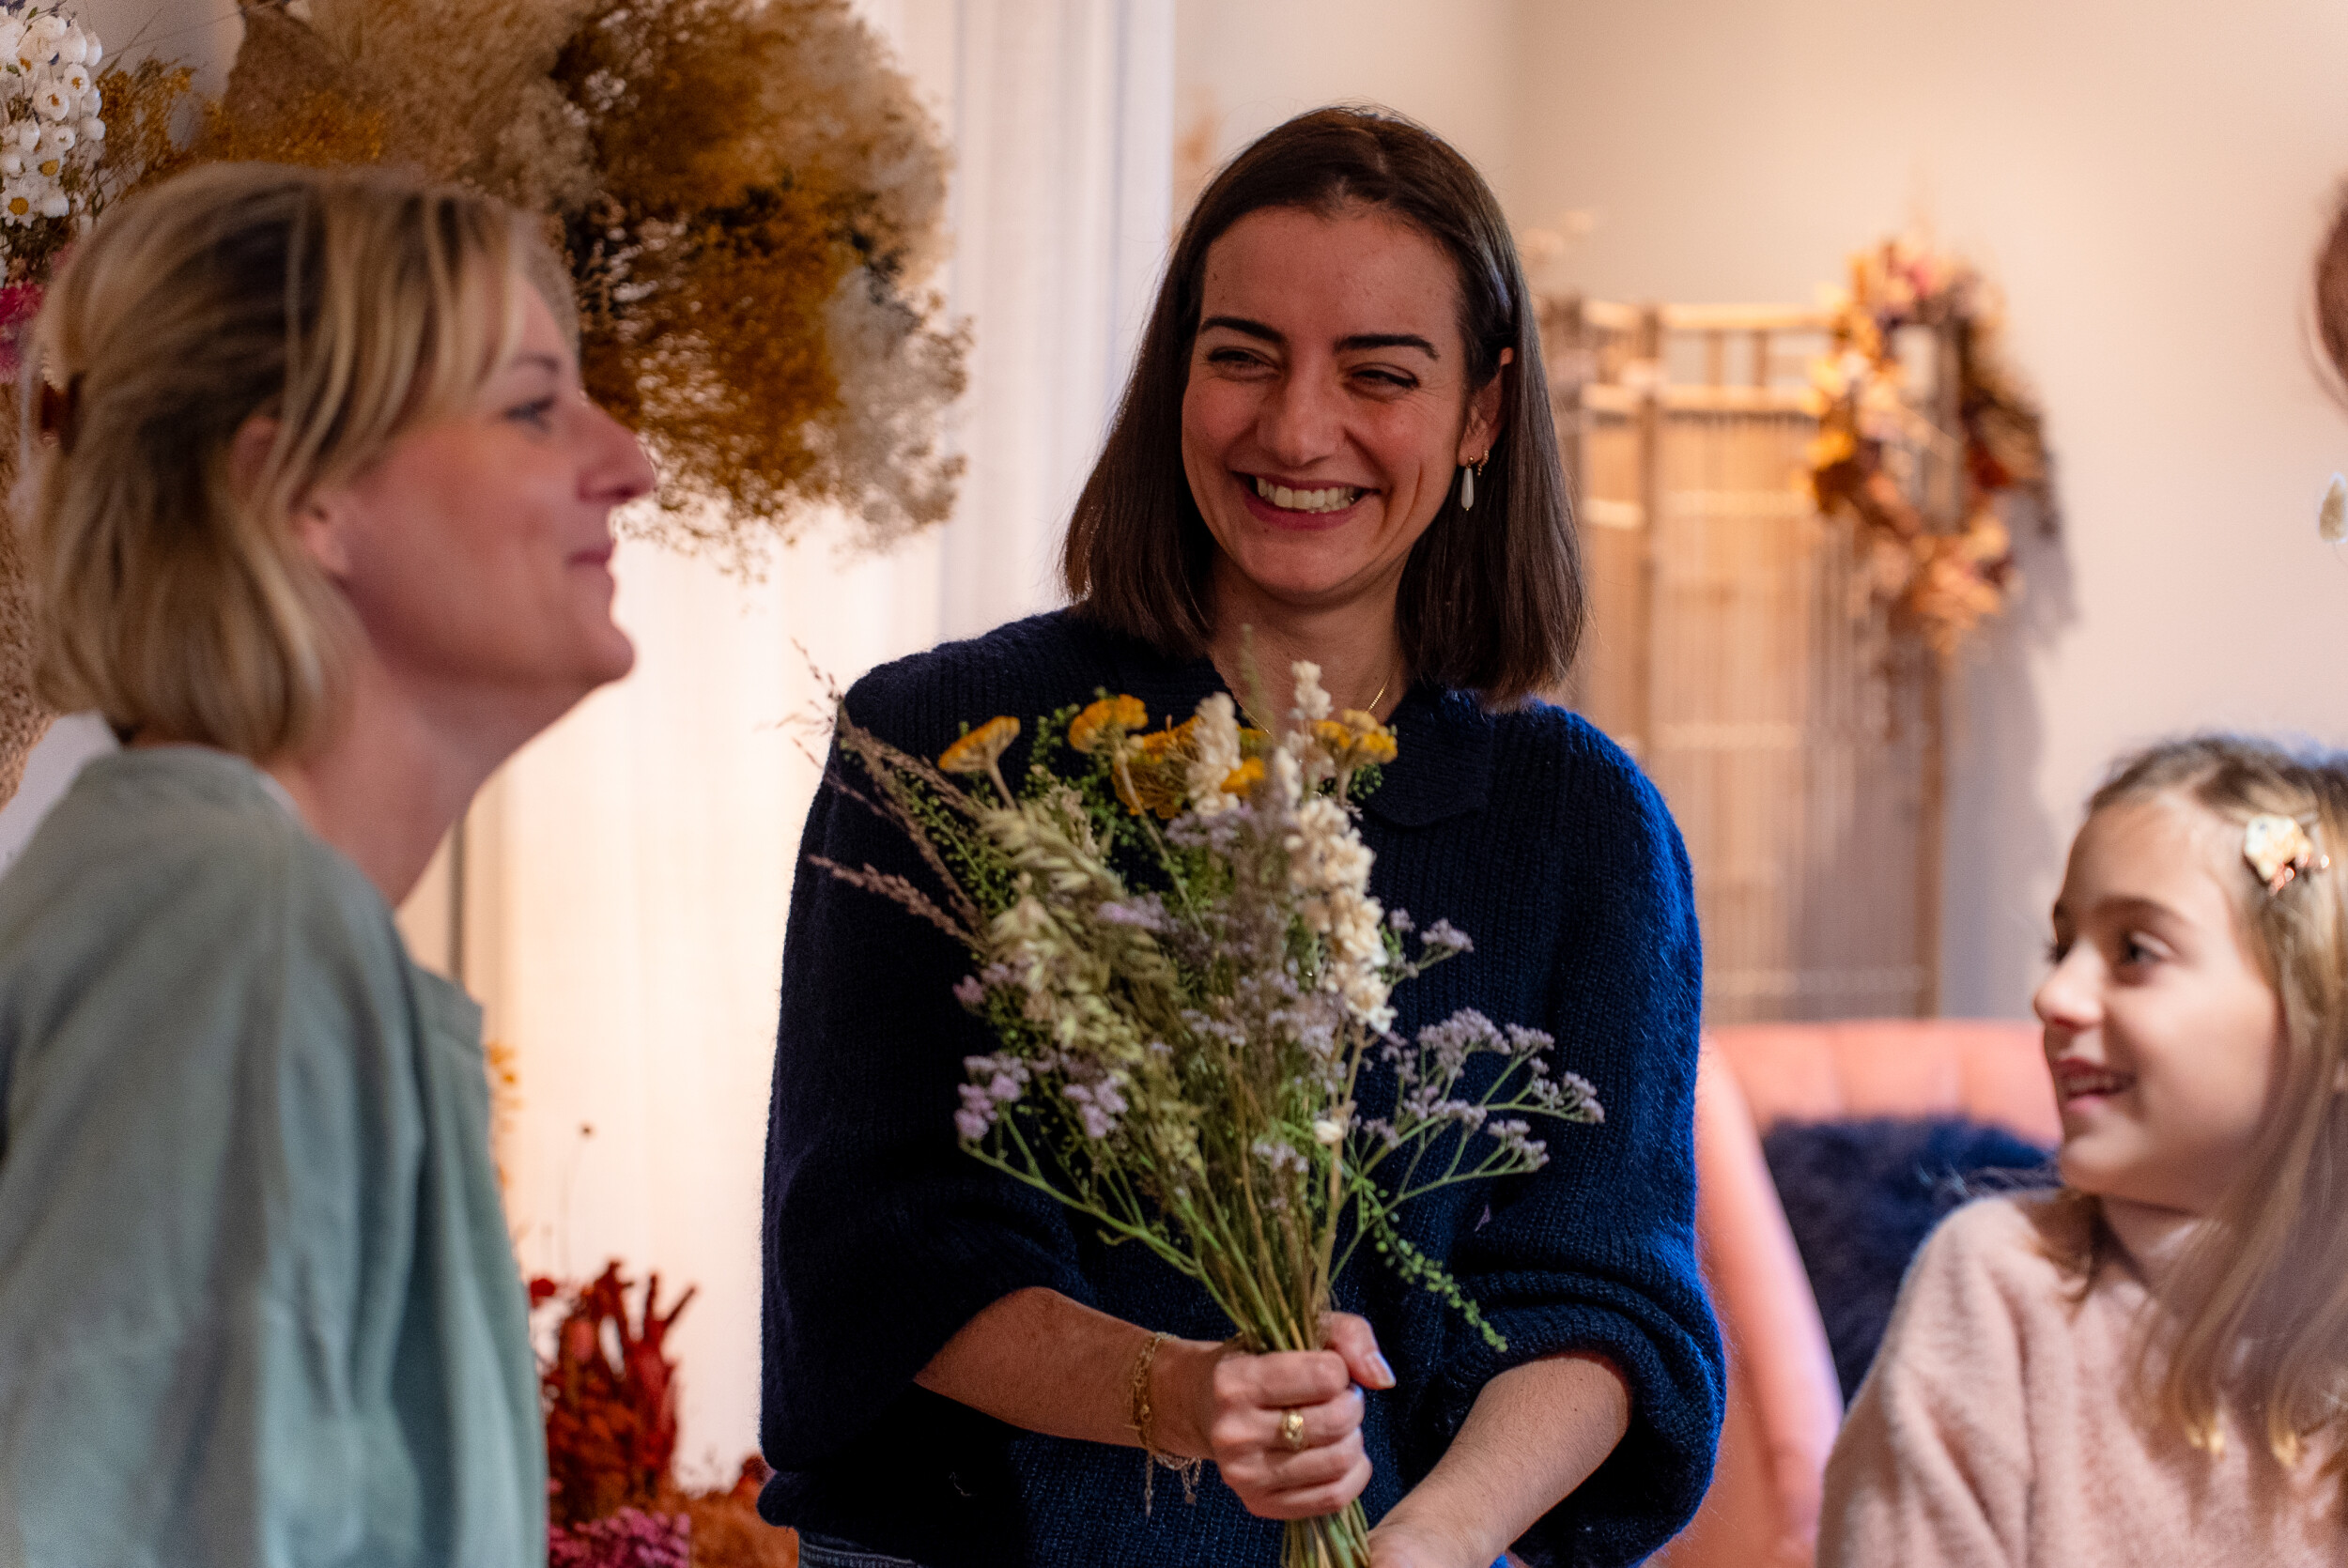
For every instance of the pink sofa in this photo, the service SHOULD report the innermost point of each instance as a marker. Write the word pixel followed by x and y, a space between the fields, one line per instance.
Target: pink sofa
pixel 1784 1404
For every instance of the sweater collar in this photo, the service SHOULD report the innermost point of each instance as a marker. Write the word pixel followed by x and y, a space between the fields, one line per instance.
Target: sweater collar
pixel 1442 737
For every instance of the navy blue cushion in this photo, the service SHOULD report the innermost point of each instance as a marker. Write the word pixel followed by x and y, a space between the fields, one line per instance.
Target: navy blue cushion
pixel 1863 1195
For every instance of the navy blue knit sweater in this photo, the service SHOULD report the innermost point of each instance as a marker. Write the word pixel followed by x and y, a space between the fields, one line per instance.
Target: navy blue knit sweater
pixel 1529 831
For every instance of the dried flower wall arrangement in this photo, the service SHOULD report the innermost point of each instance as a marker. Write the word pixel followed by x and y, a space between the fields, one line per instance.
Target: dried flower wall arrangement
pixel 1941 582
pixel 749 193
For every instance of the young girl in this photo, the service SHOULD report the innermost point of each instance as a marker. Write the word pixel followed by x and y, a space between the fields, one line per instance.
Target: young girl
pixel 2147 1366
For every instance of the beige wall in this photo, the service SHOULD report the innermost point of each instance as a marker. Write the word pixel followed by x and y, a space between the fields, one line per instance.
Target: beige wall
pixel 2147 181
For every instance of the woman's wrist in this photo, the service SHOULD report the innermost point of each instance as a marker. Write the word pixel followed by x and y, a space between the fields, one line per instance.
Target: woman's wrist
pixel 1438 1534
pixel 1182 1398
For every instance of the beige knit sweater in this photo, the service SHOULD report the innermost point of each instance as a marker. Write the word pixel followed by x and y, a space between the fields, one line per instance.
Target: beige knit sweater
pixel 1995 1430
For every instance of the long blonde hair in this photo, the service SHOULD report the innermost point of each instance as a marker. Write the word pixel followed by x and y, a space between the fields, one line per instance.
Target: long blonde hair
pixel 2258 1306
pixel 348 305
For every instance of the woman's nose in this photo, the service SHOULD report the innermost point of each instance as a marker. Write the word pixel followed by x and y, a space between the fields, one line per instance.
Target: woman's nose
pixel 1301 420
pixel 622 470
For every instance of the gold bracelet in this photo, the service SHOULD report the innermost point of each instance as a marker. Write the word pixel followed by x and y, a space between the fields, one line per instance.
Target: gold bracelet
pixel 1137 1417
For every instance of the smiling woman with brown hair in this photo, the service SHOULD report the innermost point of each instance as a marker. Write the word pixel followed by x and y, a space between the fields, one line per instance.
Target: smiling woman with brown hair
pixel 321 524
pixel 1335 446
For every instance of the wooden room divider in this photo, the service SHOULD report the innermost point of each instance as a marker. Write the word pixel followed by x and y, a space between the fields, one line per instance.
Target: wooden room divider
pixel 1738 649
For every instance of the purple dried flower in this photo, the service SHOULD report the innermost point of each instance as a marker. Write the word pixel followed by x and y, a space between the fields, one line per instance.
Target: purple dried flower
pixel 1449 938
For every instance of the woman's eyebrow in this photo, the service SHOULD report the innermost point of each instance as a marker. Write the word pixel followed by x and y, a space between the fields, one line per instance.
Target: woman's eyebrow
pixel 1386 340
pixel 1352 344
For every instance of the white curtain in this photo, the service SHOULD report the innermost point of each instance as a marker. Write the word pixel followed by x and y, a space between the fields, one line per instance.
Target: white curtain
pixel 626 875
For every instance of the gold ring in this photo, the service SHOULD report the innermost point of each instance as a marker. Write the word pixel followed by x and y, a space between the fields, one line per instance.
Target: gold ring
pixel 1292 1431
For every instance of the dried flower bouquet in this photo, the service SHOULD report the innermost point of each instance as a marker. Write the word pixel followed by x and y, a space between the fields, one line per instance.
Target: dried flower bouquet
pixel 1185 973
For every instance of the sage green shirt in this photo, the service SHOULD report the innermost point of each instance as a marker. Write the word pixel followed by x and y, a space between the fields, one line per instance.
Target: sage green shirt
pixel 257 1304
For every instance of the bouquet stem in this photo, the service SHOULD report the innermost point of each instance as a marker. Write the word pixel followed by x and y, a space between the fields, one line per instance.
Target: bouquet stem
pixel 1333 1541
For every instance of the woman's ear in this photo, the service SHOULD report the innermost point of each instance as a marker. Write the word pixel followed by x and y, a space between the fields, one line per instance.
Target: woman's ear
pixel 312 519
pixel 1484 414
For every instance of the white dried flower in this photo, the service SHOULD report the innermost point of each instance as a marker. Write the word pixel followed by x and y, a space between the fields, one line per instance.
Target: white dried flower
pixel 49 29
pixel 11 38
pixel 93 129
pixel 74 48
pixel 74 79
pixel 1216 755
pixel 54 204
pixel 52 101
pixel 1312 703
pixel 58 138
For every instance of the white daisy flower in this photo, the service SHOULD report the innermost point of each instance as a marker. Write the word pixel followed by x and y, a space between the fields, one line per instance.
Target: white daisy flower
pixel 52 101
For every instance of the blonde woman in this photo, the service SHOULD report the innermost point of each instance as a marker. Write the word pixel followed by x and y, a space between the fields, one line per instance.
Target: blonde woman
pixel 321 519
pixel 2149 1366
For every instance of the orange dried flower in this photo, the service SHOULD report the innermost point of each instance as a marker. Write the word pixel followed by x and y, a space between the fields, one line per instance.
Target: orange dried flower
pixel 981 748
pixel 1110 714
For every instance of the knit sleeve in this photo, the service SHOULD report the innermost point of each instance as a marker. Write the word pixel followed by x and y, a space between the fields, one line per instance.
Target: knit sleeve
pixel 1933 1464
pixel 882 1236
pixel 1596 1251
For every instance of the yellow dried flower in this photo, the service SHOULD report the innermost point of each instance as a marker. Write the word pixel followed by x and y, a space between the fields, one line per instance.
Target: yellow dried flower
pixel 981 748
pixel 1354 739
pixel 1125 713
pixel 1153 774
pixel 1244 777
pixel 1153 788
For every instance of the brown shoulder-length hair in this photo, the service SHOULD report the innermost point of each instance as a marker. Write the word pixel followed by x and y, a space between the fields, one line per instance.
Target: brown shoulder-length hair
pixel 1491 599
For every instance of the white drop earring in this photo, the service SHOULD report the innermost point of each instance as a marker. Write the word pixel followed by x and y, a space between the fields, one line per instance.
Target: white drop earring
pixel 1467 487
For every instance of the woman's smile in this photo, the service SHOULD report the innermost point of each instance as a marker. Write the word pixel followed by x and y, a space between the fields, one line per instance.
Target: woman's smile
pixel 1300 503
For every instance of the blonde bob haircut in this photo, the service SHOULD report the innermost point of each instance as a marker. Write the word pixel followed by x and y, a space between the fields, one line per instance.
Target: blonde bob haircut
pixel 348 306
pixel 2258 1306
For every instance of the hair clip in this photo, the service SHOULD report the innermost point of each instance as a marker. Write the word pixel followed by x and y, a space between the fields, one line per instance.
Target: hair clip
pixel 2279 850
pixel 59 413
